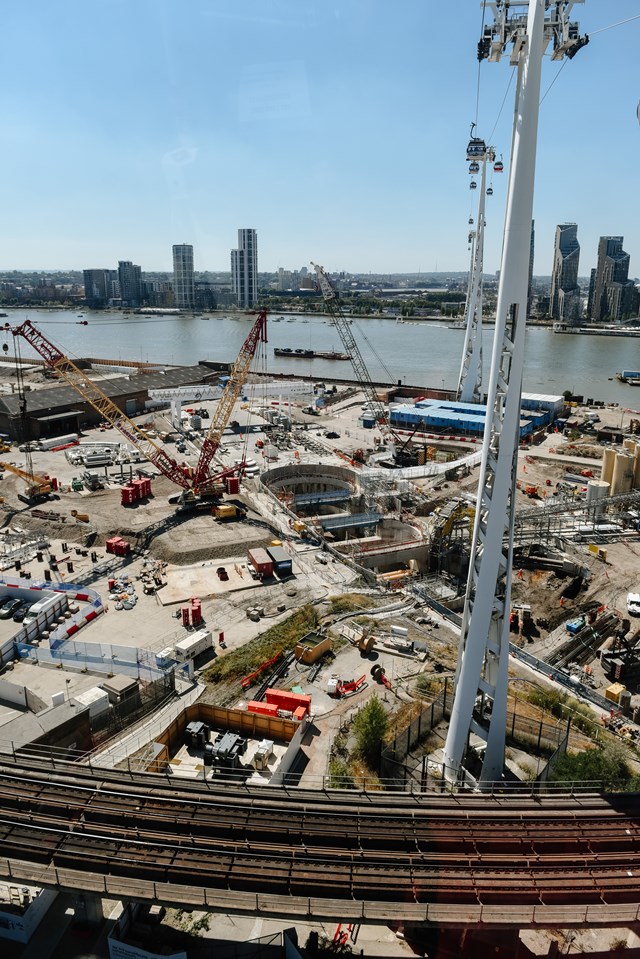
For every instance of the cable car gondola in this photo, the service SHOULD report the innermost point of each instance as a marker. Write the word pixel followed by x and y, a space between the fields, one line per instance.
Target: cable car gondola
pixel 489 191
pixel 498 166
pixel 474 167
pixel 470 221
pixel 473 185
pixel 476 148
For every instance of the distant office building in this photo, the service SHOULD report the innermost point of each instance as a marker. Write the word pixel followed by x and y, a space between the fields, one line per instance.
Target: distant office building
pixel 615 296
pixel 183 281
pixel 532 249
pixel 244 269
pixel 130 280
pixel 565 304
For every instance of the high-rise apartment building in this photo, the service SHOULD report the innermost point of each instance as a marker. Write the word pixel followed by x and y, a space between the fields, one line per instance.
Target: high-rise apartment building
pixel 130 279
pixel 532 251
pixel 565 304
pixel 244 269
pixel 613 295
pixel 183 281
pixel 99 287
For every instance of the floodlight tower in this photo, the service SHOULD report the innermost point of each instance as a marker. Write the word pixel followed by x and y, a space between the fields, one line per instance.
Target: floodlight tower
pixel 480 702
pixel 470 378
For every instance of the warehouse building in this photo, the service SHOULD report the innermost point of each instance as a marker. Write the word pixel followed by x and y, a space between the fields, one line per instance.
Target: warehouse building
pixel 58 410
pixel 450 417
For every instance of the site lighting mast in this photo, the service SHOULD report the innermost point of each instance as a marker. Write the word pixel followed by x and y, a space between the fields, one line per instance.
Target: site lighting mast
pixel 480 702
pixel 470 378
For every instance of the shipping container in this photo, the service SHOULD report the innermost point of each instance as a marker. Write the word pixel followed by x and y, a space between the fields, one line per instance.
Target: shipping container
pixel 262 709
pixel 193 645
pixel 288 702
pixel 282 564
pixel 261 562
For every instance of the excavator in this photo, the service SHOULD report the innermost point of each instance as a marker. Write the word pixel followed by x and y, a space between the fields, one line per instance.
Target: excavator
pixel 196 484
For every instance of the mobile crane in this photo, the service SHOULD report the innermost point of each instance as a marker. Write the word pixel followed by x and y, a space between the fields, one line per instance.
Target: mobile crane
pixel 38 488
pixel 202 482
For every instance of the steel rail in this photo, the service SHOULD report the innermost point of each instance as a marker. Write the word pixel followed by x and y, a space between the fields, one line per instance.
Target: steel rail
pixel 537 853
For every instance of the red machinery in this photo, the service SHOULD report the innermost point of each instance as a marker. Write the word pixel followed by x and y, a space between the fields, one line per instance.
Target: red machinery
pixel 378 674
pixel 178 473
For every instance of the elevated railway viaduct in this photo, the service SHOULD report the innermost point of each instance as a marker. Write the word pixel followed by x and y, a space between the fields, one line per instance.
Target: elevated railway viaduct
pixel 499 860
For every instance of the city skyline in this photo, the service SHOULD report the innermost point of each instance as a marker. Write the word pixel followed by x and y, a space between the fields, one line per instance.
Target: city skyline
pixel 198 151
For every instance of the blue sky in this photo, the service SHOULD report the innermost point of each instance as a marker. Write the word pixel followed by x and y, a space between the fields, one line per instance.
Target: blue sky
pixel 336 129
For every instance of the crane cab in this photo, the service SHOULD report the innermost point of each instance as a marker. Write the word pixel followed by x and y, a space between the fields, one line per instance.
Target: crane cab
pixel 473 185
pixel 498 166
pixel 489 191
pixel 474 167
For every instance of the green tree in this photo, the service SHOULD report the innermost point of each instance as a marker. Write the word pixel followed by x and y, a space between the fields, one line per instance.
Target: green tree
pixel 369 727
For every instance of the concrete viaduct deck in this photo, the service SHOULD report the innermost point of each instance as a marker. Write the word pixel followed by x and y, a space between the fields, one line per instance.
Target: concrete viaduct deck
pixel 503 860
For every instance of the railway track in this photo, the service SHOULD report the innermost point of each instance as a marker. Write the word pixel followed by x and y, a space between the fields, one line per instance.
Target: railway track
pixel 416 853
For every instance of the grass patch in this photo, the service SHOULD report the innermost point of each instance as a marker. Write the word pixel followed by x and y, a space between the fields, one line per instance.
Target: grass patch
pixel 349 603
pixel 285 635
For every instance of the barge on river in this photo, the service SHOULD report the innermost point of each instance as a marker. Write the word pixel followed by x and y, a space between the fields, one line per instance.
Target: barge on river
pixel 288 353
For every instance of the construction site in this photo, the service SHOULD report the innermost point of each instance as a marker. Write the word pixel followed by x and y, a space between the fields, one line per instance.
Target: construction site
pixel 335 653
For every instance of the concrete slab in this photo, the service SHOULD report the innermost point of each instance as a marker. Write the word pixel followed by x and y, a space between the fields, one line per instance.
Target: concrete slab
pixel 201 580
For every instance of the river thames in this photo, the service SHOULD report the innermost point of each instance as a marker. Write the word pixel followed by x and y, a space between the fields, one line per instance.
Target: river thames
pixel 418 353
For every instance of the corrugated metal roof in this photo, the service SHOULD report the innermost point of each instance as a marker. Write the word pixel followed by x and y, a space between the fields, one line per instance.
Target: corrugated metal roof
pixel 121 386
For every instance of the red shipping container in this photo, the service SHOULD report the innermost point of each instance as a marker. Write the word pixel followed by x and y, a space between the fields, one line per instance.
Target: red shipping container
pixel 299 714
pixel 185 615
pixel 263 709
pixel 233 484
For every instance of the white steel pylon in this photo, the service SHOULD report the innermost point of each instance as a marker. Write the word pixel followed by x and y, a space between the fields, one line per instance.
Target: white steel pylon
pixel 470 377
pixel 480 703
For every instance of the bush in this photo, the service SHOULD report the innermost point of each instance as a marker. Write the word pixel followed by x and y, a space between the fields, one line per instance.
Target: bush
pixel 603 765
pixel 339 776
pixel 370 726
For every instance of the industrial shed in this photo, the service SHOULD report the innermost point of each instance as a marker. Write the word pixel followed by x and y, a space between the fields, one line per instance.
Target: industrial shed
pixel 57 410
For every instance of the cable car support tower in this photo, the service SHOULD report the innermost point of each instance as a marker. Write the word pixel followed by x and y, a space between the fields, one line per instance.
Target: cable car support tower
pixel 478 717
pixel 470 378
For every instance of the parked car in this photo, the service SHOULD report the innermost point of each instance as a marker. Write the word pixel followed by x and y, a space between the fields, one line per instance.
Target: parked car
pixel 21 612
pixel 9 607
